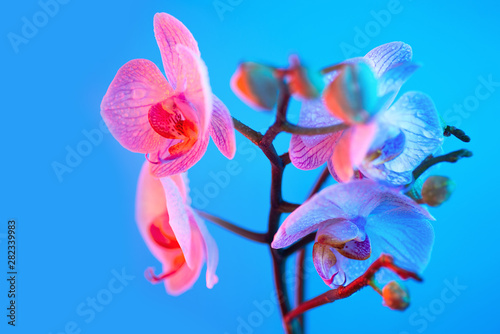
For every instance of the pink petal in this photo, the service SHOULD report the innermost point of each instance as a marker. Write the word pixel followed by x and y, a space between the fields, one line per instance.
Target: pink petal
pixel 361 140
pixel 179 219
pixel 137 86
pixel 388 56
pixel 324 261
pixel 150 203
pixel 186 276
pixel 341 157
pixel 193 82
pixel 170 32
pixel 182 163
pixel 211 251
pixel 222 129
pixel 310 157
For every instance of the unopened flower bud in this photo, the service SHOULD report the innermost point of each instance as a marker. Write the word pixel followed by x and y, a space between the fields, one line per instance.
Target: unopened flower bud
pixel 353 95
pixel 257 85
pixel 303 82
pixel 437 189
pixel 396 296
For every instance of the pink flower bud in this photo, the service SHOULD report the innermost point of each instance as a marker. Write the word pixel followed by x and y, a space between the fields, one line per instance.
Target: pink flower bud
pixel 437 189
pixel 396 296
pixel 352 95
pixel 257 85
pixel 303 82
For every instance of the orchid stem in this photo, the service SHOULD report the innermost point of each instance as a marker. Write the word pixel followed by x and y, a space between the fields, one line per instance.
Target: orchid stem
pixel 384 261
pixel 431 161
pixel 304 131
pixel 254 236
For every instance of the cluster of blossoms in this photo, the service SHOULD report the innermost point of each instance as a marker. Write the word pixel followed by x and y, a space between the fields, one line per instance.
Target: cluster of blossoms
pixel 375 146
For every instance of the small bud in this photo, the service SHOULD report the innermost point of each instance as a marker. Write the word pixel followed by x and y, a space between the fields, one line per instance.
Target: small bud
pixel 353 95
pixel 437 189
pixel 257 85
pixel 303 82
pixel 396 296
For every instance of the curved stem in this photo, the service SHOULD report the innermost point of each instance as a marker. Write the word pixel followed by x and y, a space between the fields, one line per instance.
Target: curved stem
pixel 384 261
pixel 254 236
pixel 431 161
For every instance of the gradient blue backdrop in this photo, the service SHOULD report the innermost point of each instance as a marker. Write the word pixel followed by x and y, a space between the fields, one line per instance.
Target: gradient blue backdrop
pixel 74 233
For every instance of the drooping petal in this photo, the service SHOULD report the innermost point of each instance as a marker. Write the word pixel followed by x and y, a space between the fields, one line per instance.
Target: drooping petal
pixel 211 251
pixel 341 162
pixel 222 129
pixel 415 114
pixel 150 204
pixel 179 219
pixel 194 84
pixel 170 32
pixel 388 56
pixel 186 276
pixel 181 163
pixel 137 86
pixel 361 140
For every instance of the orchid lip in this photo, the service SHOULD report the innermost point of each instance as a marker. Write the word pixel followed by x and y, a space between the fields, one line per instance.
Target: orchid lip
pixel 154 279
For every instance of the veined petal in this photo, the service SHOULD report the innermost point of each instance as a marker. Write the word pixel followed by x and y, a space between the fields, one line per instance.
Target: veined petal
pixel 415 114
pixel 179 219
pixel 388 56
pixel 383 174
pixel 168 33
pixel 313 114
pixel 392 80
pixel 405 235
pixel 222 129
pixel 182 163
pixel 211 250
pixel 310 157
pixel 193 82
pixel 137 86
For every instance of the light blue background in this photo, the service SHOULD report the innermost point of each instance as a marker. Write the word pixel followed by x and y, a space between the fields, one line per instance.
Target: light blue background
pixel 74 233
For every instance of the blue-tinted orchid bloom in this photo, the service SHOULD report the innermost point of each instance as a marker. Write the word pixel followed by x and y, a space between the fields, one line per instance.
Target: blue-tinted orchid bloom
pixel 356 222
pixel 385 141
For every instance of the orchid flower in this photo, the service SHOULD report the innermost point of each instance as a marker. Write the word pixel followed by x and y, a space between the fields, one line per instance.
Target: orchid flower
pixel 356 222
pixel 384 142
pixel 169 121
pixel 173 232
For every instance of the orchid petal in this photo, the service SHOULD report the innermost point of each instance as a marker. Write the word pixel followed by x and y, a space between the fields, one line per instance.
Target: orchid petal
pixel 170 32
pixel 343 200
pixel 222 129
pixel 388 56
pixel 186 276
pixel 137 86
pixel 336 232
pixel 405 235
pixel 182 163
pixel 211 251
pixel 310 157
pixel 361 140
pixel 415 114
pixel 179 219
pixel 193 82
pixel 341 157
pixel 392 80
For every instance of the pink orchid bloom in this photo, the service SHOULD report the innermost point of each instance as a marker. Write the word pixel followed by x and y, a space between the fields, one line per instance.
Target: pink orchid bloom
pixel 384 142
pixel 356 222
pixel 170 121
pixel 173 232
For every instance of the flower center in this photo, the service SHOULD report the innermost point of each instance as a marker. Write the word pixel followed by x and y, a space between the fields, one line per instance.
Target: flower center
pixel 162 234
pixel 167 119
